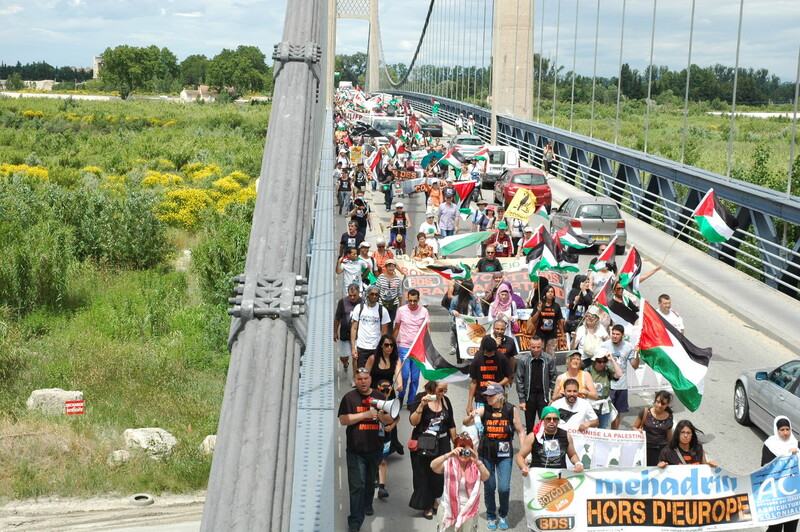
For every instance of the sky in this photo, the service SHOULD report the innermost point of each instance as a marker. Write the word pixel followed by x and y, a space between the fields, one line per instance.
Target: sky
pixel 71 32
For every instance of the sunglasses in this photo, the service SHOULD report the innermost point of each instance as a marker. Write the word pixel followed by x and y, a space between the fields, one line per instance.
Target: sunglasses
pixel 490 252
pixel 551 419
pixel 362 370
pixel 387 344
pixel 602 361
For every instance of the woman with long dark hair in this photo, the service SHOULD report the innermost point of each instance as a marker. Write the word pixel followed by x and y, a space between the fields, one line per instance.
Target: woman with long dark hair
pixel 656 423
pixel 434 430
pixel 384 367
pixel 684 447
pixel 546 321
pixel 781 443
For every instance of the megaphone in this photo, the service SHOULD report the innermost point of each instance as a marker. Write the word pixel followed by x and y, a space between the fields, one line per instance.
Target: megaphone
pixel 391 407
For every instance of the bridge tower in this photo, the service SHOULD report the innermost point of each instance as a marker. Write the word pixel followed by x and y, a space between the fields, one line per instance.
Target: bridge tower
pixel 358 9
pixel 512 61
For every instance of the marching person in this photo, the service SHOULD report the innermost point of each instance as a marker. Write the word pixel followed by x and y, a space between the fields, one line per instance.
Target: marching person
pixel 369 322
pixel 627 357
pixel 364 445
pixel 603 376
pixel 575 412
pixel 551 449
pixel 536 379
pixel 409 322
pixel 684 447
pixel 341 324
pixel 656 423
pixel 781 443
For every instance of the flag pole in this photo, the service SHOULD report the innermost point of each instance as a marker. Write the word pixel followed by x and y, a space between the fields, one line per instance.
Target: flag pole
pixel 674 240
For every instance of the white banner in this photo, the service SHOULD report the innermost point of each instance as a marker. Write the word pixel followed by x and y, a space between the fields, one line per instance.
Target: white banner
pixel 683 497
pixel 469 332
pixel 609 448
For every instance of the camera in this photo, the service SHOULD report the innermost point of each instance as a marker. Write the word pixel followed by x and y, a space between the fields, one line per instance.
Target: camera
pixel 466 452
pixel 432 397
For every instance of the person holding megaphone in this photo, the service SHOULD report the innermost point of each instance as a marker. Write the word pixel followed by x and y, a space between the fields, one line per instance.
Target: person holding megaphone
pixel 361 411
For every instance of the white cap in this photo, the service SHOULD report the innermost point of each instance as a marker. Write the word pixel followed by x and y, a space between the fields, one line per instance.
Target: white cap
pixel 365 244
pixel 380 241
pixel 527 229
pixel 398 205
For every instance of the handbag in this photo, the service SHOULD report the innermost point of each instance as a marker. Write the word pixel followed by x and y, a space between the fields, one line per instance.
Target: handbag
pixel 412 444
pixel 427 444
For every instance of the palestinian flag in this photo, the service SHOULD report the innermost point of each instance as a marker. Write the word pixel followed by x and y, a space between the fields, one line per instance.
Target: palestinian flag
pixel 401 134
pixel 715 221
pixel 620 313
pixel 434 107
pixel 371 279
pixel 455 159
pixel 543 255
pixel 373 163
pixel 569 238
pixel 463 192
pixel 567 260
pixel 482 154
pixel 431 364
pixel 450 244
pixel 462 271
pixel 607 258
pixel 669 353
pixel 543 213
pixel 630 272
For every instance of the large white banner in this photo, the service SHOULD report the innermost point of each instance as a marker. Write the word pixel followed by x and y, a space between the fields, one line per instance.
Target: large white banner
pixel 609 448
pixel 682 497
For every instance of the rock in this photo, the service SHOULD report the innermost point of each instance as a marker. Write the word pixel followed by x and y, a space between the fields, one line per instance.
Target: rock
pixel 208 444
pixel 154 441
pixel 51 400
pixel 117 458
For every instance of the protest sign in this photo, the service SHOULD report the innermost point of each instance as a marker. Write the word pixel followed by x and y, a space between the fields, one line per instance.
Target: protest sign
pixel 683 497
pixel 609 448
pixel 356 154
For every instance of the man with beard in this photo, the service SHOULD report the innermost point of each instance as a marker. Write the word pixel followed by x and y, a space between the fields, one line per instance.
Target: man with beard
pixel 549 447
pixel 575 412
pixel 536 377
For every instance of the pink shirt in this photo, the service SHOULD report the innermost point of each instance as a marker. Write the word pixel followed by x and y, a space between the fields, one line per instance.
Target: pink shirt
pixel 409 323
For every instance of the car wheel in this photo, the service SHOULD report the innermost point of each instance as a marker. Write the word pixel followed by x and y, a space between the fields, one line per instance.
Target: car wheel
pixel 620 250
pixel 741 408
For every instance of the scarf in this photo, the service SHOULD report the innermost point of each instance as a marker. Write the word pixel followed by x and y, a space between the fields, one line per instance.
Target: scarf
pixel 497 304
pixel 453 515
pixel 777 445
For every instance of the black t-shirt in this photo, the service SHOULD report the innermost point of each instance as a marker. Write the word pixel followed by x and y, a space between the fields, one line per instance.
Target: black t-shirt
pixel 365 436
pixel 486 265
pixel 488 369
pixel 552 451
pixel 343 310
pixel 348 241
pixel 433 422
pixel 345 185
pixel 507 347
pixel 548 321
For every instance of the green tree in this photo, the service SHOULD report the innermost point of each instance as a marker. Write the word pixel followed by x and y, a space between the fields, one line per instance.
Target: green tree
pixel 244 69
pixel 193 70
pixel 352 67
pixel 126 68
pixel 14 82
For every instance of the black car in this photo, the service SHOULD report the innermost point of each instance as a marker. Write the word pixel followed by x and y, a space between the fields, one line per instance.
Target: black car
pixel 432 125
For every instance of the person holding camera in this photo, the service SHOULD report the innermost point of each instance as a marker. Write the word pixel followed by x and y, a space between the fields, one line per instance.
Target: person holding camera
pixel 461 467
pixel 434 430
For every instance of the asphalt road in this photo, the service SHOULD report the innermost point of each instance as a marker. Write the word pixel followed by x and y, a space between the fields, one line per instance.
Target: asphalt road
pixel 736 346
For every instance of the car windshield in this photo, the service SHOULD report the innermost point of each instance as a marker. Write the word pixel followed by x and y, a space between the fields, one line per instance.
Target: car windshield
pixel 470 141
pixel 598 211
pixel 433 121
pixel 385 126
pixel 497 157
pixel 528 179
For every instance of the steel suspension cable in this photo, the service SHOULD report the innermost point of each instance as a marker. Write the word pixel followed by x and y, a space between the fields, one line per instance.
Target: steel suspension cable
pixel 619 72
pixel 555 64
pixel 688 79
pixel 650 78
pixel 483 50
pixel 594 67
pixel 541 55
pixel 397 84
pixel 574 59
pixel 735 84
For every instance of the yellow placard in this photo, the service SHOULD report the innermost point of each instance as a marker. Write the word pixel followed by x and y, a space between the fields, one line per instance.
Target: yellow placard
pixel 523 205
pixel 356 154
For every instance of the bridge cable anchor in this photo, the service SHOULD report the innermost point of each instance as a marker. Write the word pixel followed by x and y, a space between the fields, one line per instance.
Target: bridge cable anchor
pixel 308 52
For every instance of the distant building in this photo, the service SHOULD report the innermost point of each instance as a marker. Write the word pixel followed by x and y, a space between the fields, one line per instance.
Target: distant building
pixel 42 85
pixel 203 92
pixel 97 64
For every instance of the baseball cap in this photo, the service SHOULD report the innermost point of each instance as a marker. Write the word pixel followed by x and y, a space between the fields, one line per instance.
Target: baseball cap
pixel 502 225
pixel 574 353
pixel 482 202
pixel 364 245
pixel 527 229
pixel 390 261
pixel 600 355
pixel 398 205
pixel 493 389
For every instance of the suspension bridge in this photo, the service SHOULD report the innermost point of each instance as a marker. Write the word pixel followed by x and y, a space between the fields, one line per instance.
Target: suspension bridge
pixel 274 465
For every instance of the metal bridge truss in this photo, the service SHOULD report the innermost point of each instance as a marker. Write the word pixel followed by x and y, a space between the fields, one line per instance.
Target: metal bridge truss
pixel 661 192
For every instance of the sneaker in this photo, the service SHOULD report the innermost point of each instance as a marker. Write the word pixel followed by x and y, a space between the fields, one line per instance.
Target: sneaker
pixel 369 510
pixel 491 524
pixel 503 524
pixel 382 493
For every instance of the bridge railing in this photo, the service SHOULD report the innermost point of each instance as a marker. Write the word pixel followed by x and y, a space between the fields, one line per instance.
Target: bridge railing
pixel 661 192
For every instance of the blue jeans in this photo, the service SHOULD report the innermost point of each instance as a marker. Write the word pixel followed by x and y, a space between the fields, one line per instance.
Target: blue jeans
pixel 362 469
pixel 448 232
pixel 605 420
pixel 500 479
pixel 410 373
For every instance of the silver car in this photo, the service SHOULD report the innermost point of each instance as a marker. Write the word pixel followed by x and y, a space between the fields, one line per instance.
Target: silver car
pixel 596 218
pixel 761 394
pixel 466 145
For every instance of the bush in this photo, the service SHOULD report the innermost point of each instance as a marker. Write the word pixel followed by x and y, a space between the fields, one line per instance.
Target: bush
pixel 222 252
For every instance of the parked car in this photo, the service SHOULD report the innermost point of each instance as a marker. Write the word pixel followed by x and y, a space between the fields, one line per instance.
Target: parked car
pixel 431 125
pixel 465 144
pixel 500 158
pixel 596 218
pixel 761 394
pixel 515 178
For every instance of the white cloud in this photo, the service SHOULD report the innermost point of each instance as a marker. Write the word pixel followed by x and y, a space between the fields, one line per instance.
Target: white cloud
pixel 10 10
pixel 193 14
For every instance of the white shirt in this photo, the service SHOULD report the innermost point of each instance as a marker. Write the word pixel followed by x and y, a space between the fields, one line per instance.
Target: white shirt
pixel 430 239
pixel 581 411
pixel 351 272
pixel 369 328
pixel 674 319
